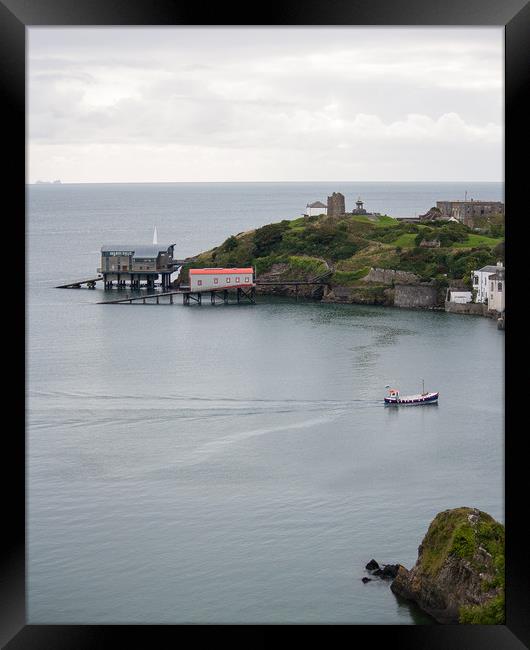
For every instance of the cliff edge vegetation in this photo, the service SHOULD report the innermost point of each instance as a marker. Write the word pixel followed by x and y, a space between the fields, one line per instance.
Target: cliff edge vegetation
pixel 351 245
pixel 459 574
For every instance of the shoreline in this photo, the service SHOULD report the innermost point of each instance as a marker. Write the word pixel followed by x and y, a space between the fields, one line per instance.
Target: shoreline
pixel 340 295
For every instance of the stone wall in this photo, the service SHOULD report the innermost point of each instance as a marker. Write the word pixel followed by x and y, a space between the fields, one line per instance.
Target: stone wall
pixel 473 308
pixel 370 295
pixel 423 296
pixel 390 276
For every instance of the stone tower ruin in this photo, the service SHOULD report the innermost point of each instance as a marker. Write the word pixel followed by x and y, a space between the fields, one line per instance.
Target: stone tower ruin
pixel 336 205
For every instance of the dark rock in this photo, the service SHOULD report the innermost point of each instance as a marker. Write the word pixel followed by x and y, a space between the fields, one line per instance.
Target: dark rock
pixel 377 572
pixel 372 565
pixel 390 571
pixel 365 580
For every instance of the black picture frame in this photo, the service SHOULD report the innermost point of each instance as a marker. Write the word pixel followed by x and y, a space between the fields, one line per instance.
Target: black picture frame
pixel 15 16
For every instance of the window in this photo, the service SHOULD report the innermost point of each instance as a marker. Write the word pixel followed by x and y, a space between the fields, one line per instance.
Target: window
pixel 237 280
pixel 475 279
pixel 227 280
pixel 492 286
pixel 199 283
pixel 216 280
pixel 499 286
pixel 247 280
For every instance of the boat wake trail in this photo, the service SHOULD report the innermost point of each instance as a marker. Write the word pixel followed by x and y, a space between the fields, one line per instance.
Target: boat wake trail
pixel 83 409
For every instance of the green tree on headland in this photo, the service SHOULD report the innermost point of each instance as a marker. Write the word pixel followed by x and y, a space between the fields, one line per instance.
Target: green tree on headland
pixel 353 243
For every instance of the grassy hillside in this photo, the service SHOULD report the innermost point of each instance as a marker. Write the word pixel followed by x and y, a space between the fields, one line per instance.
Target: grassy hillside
pixel 350 245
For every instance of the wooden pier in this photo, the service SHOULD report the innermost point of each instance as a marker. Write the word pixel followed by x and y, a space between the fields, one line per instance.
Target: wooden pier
pixel 220 296
pixel 217 296
pixel 77 284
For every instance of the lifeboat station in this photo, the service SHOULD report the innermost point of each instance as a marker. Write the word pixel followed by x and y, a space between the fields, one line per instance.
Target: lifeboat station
pixel 137 265
pixel 141 266
pixel 219 282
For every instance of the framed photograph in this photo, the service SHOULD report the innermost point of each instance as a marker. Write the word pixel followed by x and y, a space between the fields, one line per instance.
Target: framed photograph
pixel 266 365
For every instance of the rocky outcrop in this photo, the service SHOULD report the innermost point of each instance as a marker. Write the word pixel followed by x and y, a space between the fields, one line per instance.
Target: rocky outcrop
pixel 385 287
pixel 384 572
pixel 459 574
pixel 282 271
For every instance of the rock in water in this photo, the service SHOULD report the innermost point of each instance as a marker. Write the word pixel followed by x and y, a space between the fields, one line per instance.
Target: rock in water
pixel 459 574
pixel 372 565
pixel 365 580
pixel 390 571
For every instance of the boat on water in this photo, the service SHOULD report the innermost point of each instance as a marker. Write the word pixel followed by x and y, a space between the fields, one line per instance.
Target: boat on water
pixel 394 397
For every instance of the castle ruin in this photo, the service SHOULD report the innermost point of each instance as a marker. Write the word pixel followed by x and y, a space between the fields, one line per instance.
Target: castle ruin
pixel 336 205
pixel 466 211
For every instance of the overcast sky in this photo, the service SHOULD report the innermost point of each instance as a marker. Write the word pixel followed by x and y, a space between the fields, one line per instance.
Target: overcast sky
pixel 265 104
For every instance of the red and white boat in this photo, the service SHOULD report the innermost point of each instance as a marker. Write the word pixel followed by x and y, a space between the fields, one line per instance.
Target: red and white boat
pixel 394 397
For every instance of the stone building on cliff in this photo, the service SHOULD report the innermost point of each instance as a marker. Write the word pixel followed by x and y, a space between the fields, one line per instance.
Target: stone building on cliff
pixel 336 205
pixel 467 211
pixel 315 209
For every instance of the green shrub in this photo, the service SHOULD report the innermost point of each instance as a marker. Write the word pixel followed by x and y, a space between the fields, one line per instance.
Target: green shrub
pixel 463 542
pixel 267 238
pixel 349 277
pixel 230 244
pixel 491 613
pixel 308 265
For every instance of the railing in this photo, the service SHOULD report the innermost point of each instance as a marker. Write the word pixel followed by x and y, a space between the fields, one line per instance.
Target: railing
pixel 160 269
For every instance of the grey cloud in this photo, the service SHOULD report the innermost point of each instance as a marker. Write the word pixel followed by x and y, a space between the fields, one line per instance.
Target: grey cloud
pixel 324 94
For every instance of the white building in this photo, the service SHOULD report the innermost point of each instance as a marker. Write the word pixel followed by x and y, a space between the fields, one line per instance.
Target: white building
pixel 209 279
pixel 480 281
pixel 496 291
pixel 316 208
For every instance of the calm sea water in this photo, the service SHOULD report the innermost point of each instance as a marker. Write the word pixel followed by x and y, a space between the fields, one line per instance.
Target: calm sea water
pixel 236 464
